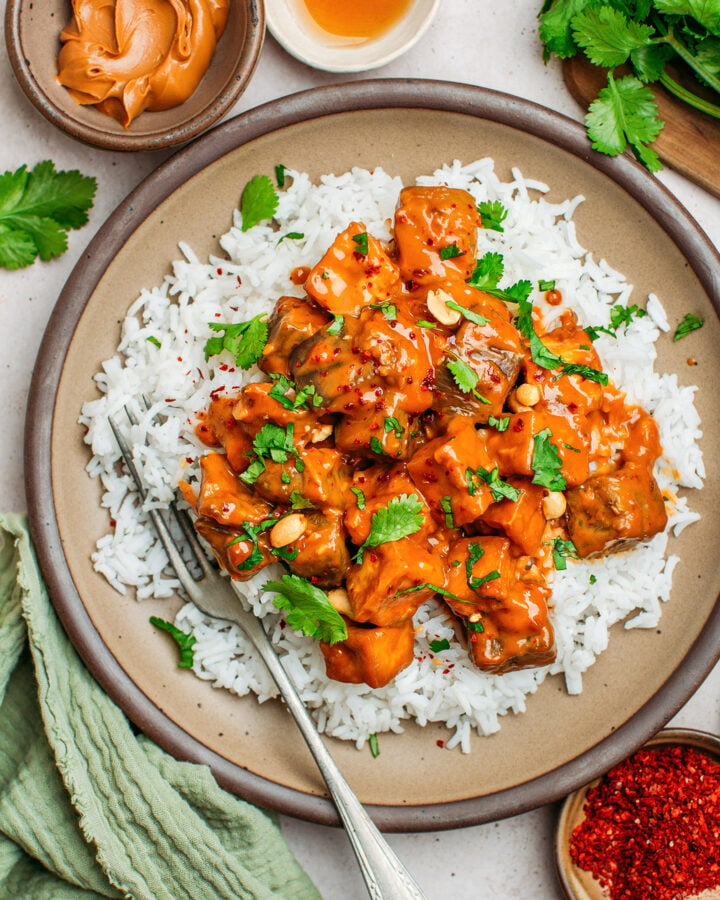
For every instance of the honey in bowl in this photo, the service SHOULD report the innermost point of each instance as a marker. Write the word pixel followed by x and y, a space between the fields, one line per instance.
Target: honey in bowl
pixel 358 21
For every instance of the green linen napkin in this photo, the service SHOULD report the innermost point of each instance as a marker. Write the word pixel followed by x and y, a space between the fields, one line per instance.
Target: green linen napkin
pixel 88 808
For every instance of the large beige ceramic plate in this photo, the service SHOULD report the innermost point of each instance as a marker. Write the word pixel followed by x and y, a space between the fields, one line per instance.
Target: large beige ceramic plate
pixel 408 127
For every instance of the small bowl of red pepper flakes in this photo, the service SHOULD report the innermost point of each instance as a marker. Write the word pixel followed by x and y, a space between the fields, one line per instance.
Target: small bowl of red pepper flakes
pixel 649 829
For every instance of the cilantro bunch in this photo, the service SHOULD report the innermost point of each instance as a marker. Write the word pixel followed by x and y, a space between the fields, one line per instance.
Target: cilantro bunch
pixel 647 36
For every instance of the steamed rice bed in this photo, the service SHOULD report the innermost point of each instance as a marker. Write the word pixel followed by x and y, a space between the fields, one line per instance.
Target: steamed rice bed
pixel 161 358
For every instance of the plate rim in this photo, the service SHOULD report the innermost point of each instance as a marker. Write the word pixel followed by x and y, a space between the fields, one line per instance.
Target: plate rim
pixel 442 96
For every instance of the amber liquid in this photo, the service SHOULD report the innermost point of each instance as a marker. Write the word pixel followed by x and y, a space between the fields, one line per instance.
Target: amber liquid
pixel 362 19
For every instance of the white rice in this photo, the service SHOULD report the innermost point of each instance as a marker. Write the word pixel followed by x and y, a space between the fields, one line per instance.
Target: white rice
pixel 538 242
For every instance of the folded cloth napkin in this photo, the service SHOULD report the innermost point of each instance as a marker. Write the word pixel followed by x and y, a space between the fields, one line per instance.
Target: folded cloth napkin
pixel 90 809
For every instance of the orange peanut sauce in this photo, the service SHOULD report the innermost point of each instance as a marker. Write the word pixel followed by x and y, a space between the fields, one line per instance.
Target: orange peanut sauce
pixel 365 20
pixel 127 56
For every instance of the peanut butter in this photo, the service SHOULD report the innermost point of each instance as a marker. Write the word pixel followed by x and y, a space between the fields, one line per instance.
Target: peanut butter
pixel 126 56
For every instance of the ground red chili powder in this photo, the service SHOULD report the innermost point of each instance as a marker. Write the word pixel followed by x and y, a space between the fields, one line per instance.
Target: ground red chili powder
pixel 652 826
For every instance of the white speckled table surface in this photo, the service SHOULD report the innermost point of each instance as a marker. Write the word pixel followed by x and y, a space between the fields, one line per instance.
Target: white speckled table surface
pixel 474 41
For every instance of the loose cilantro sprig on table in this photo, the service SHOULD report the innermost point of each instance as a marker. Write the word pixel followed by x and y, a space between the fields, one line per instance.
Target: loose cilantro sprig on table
pixel 185 641
pixel 308 609
pixel 648 36
pixel 37 209
pixel 401 517
pixel 244 341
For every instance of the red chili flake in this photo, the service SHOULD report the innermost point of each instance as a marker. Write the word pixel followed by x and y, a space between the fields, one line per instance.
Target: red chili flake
pixel 219 271
pixel 518 425
pixel 170 399
pixel 652 826
pixel 440 743
pixel 113 523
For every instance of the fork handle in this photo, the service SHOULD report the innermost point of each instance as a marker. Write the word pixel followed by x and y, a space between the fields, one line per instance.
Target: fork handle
pixel 386 878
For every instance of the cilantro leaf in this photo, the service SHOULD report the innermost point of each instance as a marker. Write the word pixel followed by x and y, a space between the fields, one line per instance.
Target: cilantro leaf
pixel 360 497
pixel 185 641
pixel 303 396
pixel 297 501
pixel 244 341
pixel 451 251
pixel 401 517
pixel 258 201
pixel 361 243
pixel 392 424
pixel 499 489
pixel 389 310
pixel 465 378
pixel 336 326
pixel 607 36
pixel 309 610
pixel 555 29
pixel 706 13
pixel 427 585
pixel 468 313
pixel 546 462
pixel 688 324
pixel 446 507
pixel 376 446
pixel 492 214
pixel 625 113
pixel 546 285
pixel 499 424
pixel 489 270
pixel 374 745
pixel 585 372
pixel 562 550
pixel 291 236
pixel 440 645
pixel 37 209
pixel 280 170
pixel 623 315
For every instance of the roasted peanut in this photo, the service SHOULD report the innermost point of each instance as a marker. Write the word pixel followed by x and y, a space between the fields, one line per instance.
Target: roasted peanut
pixel 288 530
pixel 437 306
pixel 554 504
pixel 338 597
pixel 528 394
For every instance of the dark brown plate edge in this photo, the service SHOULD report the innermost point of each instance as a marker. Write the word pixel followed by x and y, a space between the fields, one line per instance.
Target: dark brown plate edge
pixel 372 94
pixel 161 139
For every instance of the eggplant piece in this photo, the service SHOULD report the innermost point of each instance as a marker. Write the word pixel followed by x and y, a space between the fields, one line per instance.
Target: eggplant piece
pixel 322 553
pixel 614 511
pixel 293 320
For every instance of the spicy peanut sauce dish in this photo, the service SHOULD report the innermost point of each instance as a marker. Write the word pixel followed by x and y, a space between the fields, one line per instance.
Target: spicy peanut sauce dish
pixel 421 426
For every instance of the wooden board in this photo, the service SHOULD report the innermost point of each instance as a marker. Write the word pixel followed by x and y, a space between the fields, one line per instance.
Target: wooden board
pixel 690 140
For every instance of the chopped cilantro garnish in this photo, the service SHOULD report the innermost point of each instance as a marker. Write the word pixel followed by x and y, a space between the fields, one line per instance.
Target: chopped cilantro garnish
pixel 499 489
pixel 392 424
pixel 153 340
pixel 440 645
pixel 297 501
pixel 593 579
pixel 308 609
pixel 291 236
pixel 374 745
pixel 258 201
pixel 303 396
pixel 446 507
pixel 360 498
pixel 493 214
pixel 244 340
pixel 546 462
pixel 401 517
pixel 185 641
pixel 451 251
pixel 389 310
pixel 426 585
pixel 467 313
pixel 465 378
pixel 562 550
pixel 336 326
pixel 423 323
pixel 499 424
pixel 488 271
pixel 376 446
pixel 274 443
pixel 361 243
pixel 546 285
pixel 688 324
pixel 280 170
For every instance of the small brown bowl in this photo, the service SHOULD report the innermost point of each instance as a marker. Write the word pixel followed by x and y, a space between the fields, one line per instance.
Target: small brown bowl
pixel 32 32
pixel 579 884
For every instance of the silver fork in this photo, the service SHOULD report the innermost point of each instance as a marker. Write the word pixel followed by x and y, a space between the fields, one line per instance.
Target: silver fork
pixel 386 878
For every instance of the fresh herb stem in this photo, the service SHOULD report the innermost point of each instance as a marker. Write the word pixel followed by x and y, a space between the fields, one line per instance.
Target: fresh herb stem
pixel 688 97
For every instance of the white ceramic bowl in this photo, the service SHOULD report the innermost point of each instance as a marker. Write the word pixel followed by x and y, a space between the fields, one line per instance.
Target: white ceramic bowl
pixel 293 28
